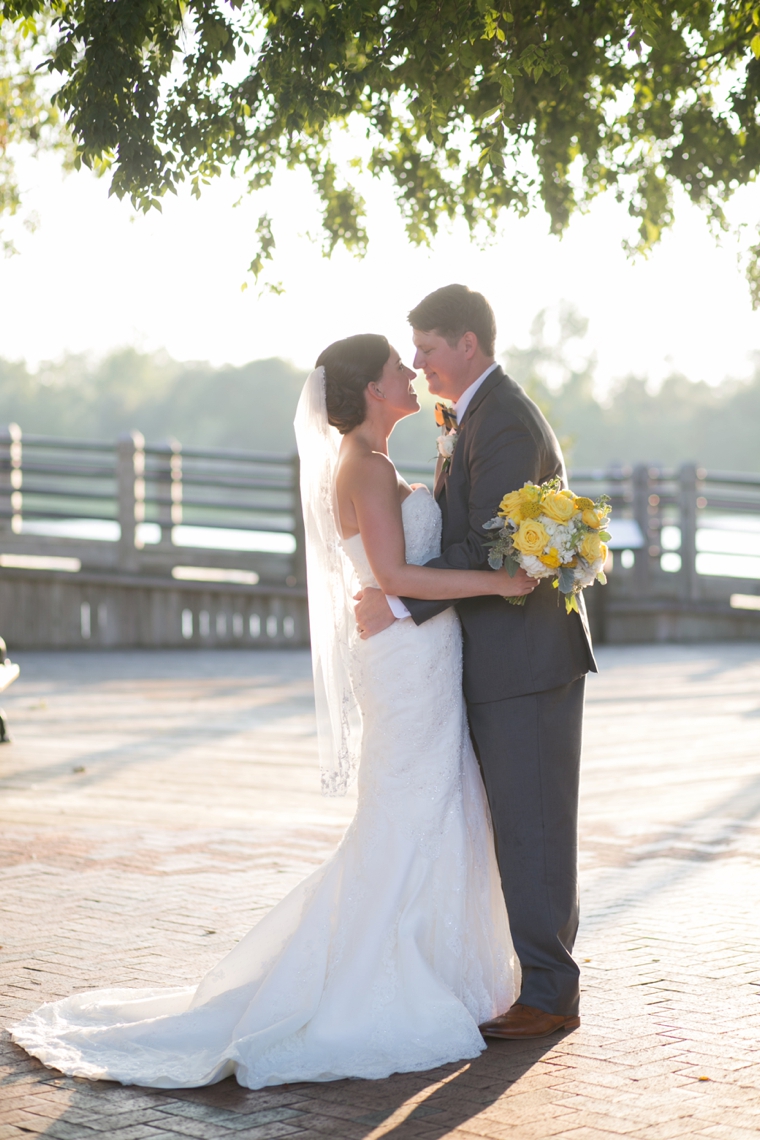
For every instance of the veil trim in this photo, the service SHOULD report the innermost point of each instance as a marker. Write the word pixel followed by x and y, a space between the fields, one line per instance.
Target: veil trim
pixel 331 583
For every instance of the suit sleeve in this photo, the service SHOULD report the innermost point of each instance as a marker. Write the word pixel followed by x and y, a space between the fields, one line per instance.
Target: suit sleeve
pixel 500 456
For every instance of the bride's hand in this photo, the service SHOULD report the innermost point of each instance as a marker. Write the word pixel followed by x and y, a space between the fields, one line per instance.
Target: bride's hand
pixel 515 587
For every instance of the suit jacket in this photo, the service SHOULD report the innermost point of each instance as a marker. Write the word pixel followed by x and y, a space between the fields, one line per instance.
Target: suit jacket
pixel 509 651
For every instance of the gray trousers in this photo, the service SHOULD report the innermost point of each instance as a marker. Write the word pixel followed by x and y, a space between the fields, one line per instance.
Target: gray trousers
pixel 529 750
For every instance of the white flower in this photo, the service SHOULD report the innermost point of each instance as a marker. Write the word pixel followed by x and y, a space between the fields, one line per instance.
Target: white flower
pixel 535 567
pixel 446 444
pixel 585 574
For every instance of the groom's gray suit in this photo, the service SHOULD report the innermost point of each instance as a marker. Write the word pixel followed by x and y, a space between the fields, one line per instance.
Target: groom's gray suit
pixel 524 676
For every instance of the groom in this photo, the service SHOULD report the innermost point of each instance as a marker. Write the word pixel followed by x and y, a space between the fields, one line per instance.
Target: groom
pixel 524 666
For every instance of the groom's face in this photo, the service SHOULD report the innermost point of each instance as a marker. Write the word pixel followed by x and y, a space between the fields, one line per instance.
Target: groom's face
pixel 445 366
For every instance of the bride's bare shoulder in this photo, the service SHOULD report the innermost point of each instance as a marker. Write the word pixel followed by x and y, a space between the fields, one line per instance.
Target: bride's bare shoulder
pixel 360 466
pixel 363 477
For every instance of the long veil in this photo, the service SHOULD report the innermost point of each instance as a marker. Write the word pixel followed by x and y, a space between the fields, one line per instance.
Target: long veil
pixel 330 578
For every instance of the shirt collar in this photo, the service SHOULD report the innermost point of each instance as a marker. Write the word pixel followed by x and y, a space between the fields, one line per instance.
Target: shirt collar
pixel 463 403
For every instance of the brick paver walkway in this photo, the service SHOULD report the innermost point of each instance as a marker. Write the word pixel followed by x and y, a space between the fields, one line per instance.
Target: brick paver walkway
pixel 153 806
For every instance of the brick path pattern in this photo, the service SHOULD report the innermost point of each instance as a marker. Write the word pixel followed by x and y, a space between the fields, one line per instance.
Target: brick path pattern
pixel 155 805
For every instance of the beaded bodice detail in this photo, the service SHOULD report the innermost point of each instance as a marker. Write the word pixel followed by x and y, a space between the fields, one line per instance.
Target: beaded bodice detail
pixel 421 517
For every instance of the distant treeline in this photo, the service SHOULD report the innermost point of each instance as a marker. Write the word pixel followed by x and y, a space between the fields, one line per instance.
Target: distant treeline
pixel 248 407
pixel 683 421
pixel 253 406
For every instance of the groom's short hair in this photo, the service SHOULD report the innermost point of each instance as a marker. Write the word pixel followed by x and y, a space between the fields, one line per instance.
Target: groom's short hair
pixel 454 310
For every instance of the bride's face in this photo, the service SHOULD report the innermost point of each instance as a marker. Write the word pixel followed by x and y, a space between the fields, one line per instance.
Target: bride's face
pixel 395 383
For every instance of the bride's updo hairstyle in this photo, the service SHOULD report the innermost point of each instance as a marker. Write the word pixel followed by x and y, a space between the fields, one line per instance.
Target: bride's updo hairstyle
pixel 350 365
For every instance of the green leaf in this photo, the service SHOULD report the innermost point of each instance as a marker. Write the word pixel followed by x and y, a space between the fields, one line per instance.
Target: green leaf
pixel 566 580
pixel 512 565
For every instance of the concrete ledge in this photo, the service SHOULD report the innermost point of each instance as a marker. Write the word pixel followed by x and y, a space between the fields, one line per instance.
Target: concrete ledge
pixel 91 610
pixel 632 622
pixel 40 610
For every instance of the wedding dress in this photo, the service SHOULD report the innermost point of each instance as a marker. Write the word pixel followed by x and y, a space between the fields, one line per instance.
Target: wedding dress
pixel 387 957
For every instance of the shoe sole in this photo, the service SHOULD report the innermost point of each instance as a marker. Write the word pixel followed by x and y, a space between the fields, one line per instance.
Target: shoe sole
pixel 571 1023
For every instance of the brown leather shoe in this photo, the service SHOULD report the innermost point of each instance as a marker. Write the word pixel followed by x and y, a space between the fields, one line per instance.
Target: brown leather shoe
pixel 523 1022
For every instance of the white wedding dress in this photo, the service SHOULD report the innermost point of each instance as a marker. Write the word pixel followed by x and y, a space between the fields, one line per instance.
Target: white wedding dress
pixel 387 957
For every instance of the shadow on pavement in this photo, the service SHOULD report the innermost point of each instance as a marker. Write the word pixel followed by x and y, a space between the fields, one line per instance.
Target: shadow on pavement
pixel 458 1093
pixel 355 1109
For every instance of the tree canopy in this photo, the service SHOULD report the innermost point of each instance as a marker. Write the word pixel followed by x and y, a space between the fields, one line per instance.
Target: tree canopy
pixel 26 114
pixel 470 106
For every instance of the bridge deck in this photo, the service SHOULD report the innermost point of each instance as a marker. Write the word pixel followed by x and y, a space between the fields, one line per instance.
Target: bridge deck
pixel 154 805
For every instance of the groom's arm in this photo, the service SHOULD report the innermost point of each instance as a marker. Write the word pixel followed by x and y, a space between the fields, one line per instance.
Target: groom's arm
pixel 501 456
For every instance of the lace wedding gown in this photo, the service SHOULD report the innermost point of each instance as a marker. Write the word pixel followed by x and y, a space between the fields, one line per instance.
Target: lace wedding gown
pixel 387 957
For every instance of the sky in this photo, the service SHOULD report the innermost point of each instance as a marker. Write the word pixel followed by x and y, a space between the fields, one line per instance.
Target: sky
pixel 95 277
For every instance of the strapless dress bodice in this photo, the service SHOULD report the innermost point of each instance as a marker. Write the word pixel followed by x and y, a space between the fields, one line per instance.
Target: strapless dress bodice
pixel 421 517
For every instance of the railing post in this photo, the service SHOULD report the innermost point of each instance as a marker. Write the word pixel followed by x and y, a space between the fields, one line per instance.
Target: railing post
pixel 299 555
pixel 641 574
pixel 687 506
pixel 10 479
pixel 130 482
pixel 169 488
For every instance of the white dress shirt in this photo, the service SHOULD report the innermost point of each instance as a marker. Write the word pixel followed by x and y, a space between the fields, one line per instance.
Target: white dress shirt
pixel 398 609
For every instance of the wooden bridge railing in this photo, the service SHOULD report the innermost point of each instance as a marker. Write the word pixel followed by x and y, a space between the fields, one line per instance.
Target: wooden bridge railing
pixel 124 486
pixel 160 505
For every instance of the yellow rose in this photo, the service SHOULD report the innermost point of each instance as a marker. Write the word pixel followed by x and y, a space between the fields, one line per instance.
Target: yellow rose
pixel 559 506
pixel 591 548
pixel 593 518
pixel 552 559
pixel 517 504
pixel 511 506
pixel 531 538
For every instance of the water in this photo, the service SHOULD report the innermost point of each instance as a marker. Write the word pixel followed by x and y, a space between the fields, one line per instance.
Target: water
pixel 728 546
pixel 199 537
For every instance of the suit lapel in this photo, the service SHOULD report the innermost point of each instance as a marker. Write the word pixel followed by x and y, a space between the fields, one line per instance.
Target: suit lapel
pixel 485 388
pixel 488 385
pixel 439 478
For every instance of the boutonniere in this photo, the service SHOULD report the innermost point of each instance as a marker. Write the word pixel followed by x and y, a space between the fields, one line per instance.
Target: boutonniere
pixel 447 441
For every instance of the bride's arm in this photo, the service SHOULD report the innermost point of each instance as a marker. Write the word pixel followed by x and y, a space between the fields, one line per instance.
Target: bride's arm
pixel 373 490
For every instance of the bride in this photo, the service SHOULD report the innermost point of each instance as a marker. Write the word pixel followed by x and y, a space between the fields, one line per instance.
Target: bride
pixel 388 957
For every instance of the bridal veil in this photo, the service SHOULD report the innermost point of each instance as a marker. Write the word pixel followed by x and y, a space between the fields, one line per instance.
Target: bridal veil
pixel 331 584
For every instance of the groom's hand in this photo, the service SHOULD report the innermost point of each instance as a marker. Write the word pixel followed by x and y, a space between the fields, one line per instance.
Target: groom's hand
pixel 372 612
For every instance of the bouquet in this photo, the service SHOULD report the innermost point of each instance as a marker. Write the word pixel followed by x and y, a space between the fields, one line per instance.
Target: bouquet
pixel 551 533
